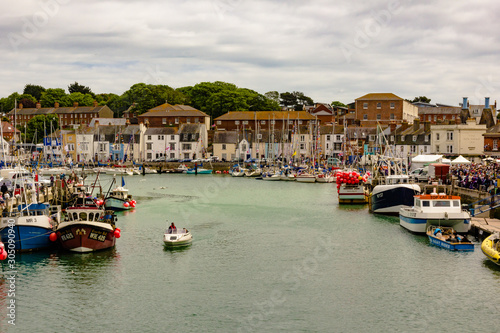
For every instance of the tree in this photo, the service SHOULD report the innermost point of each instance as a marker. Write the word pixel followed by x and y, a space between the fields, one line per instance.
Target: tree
pixel 39 126
pixel 422 99
pixel 337 103
pixel 53 95
pixel 77 97
pixel 34 90
pixel 148 96
pixel 75 87
pixel 288 99
pixel 224 101
pixel 27 100
pixel 273 96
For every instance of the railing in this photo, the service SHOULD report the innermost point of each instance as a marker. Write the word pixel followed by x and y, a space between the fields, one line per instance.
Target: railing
pixel 484 205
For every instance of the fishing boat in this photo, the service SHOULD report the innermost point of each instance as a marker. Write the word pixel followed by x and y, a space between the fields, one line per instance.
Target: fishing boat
pixel 491 247
pixel 87 227
pixel 447 237
pixel 351 187
pixel 119 199
pixel 174 237
pixel 435 209
pixel 396 192
pixel 30 226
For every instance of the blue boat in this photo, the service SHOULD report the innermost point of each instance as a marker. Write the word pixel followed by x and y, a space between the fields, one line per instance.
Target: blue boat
pixel 448 238
pixel 29 227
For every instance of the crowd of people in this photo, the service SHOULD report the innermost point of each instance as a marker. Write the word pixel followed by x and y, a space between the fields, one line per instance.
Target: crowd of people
pixel 481 177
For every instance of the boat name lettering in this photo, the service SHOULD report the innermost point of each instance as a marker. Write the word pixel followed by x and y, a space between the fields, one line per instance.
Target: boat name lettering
pixel 98 235
pixel 380 195
pixel 31 220
pixel 67 235
pixel 412 214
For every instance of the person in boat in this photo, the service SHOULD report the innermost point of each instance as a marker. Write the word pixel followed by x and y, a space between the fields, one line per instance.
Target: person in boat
pixel 438 233
pixel 172 228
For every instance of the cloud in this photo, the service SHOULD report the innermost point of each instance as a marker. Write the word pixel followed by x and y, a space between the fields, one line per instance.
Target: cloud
pixel 329 50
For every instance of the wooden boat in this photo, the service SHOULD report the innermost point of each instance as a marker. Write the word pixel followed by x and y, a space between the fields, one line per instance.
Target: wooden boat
pixel 448 238
pixel 491 248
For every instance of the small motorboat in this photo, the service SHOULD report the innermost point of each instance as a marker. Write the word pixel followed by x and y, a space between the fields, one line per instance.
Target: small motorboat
pixel 447 237
pixel 177 237
pixel 491 248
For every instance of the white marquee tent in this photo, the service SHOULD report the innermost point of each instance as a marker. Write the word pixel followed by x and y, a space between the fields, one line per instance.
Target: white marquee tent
pixel 460 160
pixel 422 160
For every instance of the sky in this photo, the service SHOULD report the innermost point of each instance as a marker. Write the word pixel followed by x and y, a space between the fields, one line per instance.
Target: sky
pixel 329 50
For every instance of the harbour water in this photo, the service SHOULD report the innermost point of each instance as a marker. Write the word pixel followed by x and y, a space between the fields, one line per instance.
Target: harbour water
pixel 266 257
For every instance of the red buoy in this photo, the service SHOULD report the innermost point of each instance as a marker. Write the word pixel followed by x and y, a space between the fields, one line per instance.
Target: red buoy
pixel 53 237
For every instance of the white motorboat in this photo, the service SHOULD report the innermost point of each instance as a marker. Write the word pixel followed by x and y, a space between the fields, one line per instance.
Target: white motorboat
pixel 177 237
pixel 305 178
pixel 435 209
pixel 396 192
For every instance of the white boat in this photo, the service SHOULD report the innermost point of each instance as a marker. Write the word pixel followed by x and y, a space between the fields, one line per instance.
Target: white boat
pixel 435 209
pixel 253 172
pixel 177 237
pixel 271 176
pixel 352 194
pixel 238 171
pixel 324 178
pixel 396 192
pixel 305 178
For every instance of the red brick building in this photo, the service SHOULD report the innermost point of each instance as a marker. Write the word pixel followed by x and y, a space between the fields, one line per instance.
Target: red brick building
pixel 383 108
pixel 174 115
pixel 237 120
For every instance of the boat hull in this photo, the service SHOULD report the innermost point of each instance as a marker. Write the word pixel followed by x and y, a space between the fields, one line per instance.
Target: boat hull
pixel 116 204
pixel 418 224
pixel 389 199
pixel 451 246
pixel 27 238
pixel 176 240
pixel 352 194
pixel 488 249
pixel 86 238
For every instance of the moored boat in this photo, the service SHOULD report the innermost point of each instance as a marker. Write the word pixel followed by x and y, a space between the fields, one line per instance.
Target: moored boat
pixel 119 199
pixel 87 227
pixel 448 238
pixel 305 178
pixel 30 226
pixel 199 171
pixel 396 192
pixel 435 209
pixel 491 247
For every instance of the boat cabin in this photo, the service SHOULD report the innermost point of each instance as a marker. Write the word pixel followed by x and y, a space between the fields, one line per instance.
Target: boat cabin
pixel 438 202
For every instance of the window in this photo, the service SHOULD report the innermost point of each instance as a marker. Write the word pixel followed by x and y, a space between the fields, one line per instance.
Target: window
pixel 437 148
pixel 196 120
pixel 426 138
pixel 392 105
pixel 161 137
pixel 403 138
pixel 245 122
pixel 243 147
pixel 172 155
pixel 435 118
pixel 224 146
pixel 449 136
pixel 413 149
pixel 186 146
pixel 425 149
pixel 392 138
pixel 437 136
pixel 186 155
pixel 302 138
pixel 453 117
pixel 429 118
pixel 259 136
pixel 149 146
pixel 172 146
pixel 262 122
pixel 188 120
pixel 236 122
pixel 371 137
pixel 300 122
pixel 302 146
pixel 338 138
pixel 379 116
pixel 414 138
pixel 449 148
pixel 327 138
pixel 392 116
pixel 176 120
pixel 365 117
pixel 219 122
pixel 379 105
pixel 164 121
pixel 149 137
pixel 224 156
pixel 365 106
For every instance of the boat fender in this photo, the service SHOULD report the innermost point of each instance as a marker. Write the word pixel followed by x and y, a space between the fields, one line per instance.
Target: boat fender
pixel 446 215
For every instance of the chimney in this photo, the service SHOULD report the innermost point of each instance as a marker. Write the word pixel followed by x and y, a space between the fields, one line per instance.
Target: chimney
pixel 75 104
pixel 486 102
pixel 96 123
pixel 38 105
pixel 416 124
pixel 404 125
pixel 393 126
pixel 95 104
pixel 20 106
pixel 427 126
pixel 56 105
pixel 465 103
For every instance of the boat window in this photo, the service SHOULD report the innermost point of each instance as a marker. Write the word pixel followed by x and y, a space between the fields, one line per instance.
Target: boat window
pixel 91 216
pixel 456 203
pixel 417 202
pixel 426 204
pixel 97 217
pixel 442 203
pixel 75 216
pixel 83 216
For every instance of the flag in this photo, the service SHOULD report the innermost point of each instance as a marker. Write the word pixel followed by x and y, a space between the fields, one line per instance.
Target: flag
pixel 294 153
pixel 123 182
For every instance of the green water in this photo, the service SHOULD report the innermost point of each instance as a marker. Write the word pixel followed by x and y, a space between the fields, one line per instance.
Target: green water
pixel 266 257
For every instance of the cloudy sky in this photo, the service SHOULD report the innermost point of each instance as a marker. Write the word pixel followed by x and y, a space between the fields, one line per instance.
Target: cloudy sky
pixel 329 50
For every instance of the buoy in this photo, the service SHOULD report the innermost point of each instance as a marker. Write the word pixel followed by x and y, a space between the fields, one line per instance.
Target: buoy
pixel 3 256
pixel 134 202
pixel 126 204
pixel 119 230
pixel 117 233
pixel 132 205
pixel 53 237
